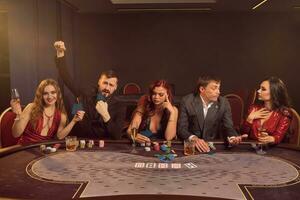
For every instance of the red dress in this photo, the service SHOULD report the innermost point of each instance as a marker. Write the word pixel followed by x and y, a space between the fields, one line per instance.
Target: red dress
pixel 276 126
pixel 33 135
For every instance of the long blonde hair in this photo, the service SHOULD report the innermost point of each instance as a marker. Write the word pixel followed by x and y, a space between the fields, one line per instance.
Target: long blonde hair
pixel 39 104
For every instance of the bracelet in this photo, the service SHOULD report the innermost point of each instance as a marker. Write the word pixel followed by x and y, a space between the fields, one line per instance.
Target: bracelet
pixel 18 117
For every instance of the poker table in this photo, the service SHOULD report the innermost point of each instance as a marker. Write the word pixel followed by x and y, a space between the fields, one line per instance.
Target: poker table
pixel 114 172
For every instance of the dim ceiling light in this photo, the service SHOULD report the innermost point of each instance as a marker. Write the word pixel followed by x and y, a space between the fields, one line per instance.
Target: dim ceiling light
pixel 264 1
pixel 162 9
pixel 160 1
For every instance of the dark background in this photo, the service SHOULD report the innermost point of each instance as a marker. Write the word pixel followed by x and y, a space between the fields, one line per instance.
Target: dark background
pixel 4 63
pixel 241 47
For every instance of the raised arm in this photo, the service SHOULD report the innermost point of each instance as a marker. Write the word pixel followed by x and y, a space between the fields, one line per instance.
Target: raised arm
pixel 62 67
pixel 21 121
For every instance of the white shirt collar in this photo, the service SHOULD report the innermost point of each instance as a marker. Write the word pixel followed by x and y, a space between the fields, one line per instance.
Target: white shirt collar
pixel 204 103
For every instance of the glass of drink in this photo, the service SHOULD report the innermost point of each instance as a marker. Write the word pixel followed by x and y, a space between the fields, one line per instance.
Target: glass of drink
pixel 261 133
pixel 189 147
pixel 133 136
pixel 16 107
pixel 71 143
pixel 15 94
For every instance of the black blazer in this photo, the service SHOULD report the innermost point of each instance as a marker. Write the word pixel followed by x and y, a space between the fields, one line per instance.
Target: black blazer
pixel 217 124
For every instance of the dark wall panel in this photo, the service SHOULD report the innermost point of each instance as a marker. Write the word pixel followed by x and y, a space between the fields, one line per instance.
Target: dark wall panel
pixel 241 48
pixel 4 63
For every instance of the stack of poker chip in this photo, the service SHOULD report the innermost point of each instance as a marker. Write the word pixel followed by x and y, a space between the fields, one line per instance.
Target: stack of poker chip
pixel 142 144
pixel 90 144
pixel 82 144
pixel 156 146
pixel 53 149
pixel 169 143
pixel 163 147
pixel 42 147
pixel 101 143
pixel 148 146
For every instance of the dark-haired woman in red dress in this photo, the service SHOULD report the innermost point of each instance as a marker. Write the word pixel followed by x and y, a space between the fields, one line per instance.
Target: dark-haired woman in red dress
pixel 269 118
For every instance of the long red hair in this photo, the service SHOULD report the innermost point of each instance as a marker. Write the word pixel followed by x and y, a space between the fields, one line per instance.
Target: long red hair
pixel 146 102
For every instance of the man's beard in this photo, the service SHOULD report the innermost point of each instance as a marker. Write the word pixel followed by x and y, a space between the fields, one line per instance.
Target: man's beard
pixel 105 92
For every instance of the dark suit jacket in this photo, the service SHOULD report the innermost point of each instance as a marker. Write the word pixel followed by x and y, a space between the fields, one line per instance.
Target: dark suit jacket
pixel 217 124
pixel 92 125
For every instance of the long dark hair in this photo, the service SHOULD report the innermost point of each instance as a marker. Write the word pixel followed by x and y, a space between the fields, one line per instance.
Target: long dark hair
pixel 279 95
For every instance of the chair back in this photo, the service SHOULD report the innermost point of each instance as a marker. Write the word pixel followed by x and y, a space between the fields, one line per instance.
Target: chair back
pixel 237 109
pixel 294 129
pixel 131 88
pixel 7 119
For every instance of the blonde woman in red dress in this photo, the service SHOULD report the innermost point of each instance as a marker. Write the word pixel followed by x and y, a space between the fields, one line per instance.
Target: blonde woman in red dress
pixel 45 118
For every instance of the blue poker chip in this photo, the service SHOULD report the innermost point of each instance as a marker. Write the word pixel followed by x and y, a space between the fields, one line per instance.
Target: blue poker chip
pixel 164 147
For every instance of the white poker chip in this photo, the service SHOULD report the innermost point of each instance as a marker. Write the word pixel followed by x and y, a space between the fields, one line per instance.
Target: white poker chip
pixel 47 150
pixel 101 143
pixel 147 149
pixel 142 144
